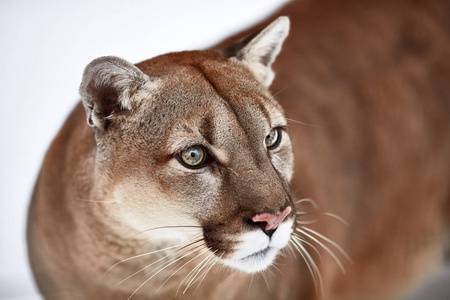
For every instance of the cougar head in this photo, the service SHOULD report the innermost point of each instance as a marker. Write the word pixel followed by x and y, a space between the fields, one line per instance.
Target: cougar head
pixel 192 148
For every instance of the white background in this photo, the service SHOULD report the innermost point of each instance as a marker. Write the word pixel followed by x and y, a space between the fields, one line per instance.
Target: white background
pixel 44 47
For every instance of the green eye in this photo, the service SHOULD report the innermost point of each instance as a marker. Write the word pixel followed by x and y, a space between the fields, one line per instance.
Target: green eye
pixel 273 138
pixel 193 157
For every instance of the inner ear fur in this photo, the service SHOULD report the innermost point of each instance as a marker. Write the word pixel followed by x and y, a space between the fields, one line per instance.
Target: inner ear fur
pixel 110 85
pixel 259 50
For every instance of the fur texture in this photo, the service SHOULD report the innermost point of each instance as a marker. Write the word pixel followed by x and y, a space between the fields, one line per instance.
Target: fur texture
pixel 365 88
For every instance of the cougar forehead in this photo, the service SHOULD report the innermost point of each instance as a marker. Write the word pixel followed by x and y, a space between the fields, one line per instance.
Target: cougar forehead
pixel 200 103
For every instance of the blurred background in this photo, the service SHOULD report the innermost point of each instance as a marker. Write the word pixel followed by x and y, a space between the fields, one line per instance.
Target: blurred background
pixel 44 47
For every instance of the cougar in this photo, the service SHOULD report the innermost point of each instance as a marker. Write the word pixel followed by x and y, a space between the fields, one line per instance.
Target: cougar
pixel 173 178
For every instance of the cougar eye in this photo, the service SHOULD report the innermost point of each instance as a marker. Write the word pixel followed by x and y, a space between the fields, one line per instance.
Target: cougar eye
pixel 193 157
pixel 273 139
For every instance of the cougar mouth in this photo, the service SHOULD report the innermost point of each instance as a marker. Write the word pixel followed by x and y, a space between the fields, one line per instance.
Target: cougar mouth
pixel 259 254
pixel 256 251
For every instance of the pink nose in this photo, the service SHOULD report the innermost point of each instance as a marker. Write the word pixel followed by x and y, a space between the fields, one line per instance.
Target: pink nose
pixel 272 221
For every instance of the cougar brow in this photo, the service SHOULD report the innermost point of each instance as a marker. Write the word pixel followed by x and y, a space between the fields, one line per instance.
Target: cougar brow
pixel 226 100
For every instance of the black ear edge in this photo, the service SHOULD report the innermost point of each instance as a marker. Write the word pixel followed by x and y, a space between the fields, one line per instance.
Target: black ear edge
pixel 259 50
pixel 234 50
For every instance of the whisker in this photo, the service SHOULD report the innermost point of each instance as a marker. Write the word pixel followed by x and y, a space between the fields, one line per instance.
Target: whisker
pixel 199 268
pixel 156 273
pixel 324 247
pixel 197 241
pixel 148 266
pixel 197 234
pixel 313 269
pixel 231 273
pixel 268 270
pixel 282 254
pixel 161 227
pixel 181 268
pixel 309 244
pixel 282 90
pixel 276 268
pixel 336 245
pixel 303 123
pixel 234 273
pixel 300 214
pixel 207 271
pixel 250 285
pixel 295 121
pixel 336 217
pixel 306 222
pixel 295 243
pixel 309 200
pixel 144 254
pixel 291 252
pixel 263 273
pixel 193 250
pixel 144 268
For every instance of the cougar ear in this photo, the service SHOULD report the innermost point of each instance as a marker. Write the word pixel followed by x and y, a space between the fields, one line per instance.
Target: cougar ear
pixel 259 50
pixel 110 85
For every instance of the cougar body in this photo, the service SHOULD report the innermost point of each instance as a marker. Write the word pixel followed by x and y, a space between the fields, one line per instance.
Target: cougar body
pixel 175 177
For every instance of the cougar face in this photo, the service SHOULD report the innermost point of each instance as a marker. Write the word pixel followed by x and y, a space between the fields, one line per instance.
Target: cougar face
pixel 195 140
pixel 183 162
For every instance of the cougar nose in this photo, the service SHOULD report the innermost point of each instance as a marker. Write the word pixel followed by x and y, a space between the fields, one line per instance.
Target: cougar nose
pixel 271 221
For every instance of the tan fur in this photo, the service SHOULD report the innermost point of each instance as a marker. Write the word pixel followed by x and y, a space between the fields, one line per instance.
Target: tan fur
pixel 365 84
